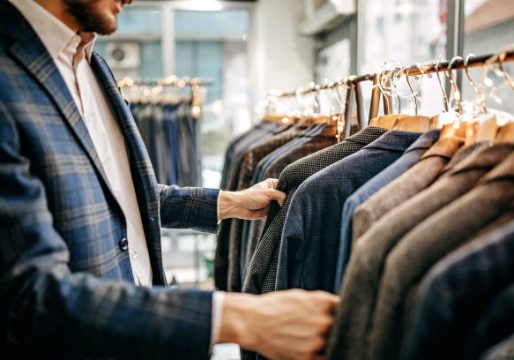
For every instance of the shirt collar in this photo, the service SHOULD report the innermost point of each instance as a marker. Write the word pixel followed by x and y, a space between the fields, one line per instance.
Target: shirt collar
pixel 55 35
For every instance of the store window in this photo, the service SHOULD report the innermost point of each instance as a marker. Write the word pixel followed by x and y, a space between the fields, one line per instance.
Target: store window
pixel 401 33
pixel 489 28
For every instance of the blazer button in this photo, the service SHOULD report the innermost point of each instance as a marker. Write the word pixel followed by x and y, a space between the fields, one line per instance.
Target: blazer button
pixel 123 244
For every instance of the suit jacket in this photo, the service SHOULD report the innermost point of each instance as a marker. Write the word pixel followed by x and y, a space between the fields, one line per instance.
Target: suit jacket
pixel 310 240
pixel 495 322
pixel 261 132
pixel 417 178
pixel 428 242
pixel 66 286
pixel 406 161
pixel 250 161
pixel 454 294
pixel 261 273
pixel 362 277
pixel 307 144
pixel 266 252
pixel 503 350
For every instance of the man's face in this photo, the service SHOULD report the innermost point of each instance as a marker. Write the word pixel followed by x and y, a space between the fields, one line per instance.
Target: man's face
pixel 99 16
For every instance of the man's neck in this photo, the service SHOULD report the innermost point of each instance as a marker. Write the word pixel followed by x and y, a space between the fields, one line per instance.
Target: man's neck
pixel 58 9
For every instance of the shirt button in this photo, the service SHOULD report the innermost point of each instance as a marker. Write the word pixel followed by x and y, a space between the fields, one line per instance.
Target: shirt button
pixel 152 219
pixel 123 244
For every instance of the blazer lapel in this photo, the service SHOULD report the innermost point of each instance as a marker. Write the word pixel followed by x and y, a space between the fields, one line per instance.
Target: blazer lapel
pixel 143 175
pixel 136 147
pixel 29 51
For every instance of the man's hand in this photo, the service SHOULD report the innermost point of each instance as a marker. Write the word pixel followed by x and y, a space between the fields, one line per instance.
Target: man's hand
pixel 285 325
pixel 250 204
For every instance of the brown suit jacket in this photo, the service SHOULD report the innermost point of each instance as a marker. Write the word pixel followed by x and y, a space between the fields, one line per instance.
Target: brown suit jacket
pixel 360 285
pixel 428 242
pixel 417 178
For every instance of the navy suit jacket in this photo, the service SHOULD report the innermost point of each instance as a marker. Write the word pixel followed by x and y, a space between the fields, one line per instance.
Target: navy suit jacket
pixel 66 285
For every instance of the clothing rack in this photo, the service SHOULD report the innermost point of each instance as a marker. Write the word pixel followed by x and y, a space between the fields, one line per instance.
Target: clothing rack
pixel 170 81
pixel 353 81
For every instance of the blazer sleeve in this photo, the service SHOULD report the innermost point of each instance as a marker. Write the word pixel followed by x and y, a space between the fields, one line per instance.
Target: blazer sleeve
pixel 189 207
pixel 47 309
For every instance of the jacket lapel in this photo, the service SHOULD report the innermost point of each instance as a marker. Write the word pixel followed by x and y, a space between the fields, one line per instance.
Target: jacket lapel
pixel 140 159
pixel 142 169
pixel 29 51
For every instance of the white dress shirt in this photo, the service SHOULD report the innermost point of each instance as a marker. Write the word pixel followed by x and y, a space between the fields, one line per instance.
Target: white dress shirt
pixel 71 53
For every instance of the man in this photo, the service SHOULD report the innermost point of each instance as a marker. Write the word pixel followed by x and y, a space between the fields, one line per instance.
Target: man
pixel 80 213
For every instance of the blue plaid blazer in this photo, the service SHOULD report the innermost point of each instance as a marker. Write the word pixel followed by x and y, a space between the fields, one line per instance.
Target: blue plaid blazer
pixel 66 286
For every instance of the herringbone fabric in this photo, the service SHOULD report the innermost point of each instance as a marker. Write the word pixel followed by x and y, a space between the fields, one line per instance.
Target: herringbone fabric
pixel 261 273
pixel 250 161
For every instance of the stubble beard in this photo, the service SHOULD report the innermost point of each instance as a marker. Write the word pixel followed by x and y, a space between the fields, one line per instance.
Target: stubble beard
pixel 90 18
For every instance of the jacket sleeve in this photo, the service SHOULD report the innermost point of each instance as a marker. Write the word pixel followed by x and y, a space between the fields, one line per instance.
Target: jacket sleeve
pixel 195 208
pixel 47 309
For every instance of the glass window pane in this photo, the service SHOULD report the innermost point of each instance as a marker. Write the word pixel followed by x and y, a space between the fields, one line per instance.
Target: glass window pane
pixel 489 28
pixel 403 32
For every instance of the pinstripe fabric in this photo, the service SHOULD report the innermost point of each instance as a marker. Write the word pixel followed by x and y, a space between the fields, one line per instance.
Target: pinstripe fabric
pixel 250 161
pixel 261 273
pixel 363 274
pixel 428 242
pixel 454 294
pixel 66 287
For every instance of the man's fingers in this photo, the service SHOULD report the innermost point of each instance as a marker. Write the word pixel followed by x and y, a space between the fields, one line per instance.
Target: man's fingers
pixel 272 183
pixel 278 196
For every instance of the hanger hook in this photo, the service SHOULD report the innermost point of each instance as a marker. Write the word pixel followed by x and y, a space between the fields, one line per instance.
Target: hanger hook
pixel 501 58
pixel 446 106
pixel 474 85
pixel 414 94
pixel 385 92
pixel 456 91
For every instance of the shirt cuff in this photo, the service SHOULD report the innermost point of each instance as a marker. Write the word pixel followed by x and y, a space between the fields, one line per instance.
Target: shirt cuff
pixel 217 312
pixel 218 208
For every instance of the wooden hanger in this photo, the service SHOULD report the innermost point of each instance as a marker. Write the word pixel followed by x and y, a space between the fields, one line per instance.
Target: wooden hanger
pixel 417 123
pixel 505 133
pixel 487 128
pixel 456 130
pixel 386 121
pixel 280 118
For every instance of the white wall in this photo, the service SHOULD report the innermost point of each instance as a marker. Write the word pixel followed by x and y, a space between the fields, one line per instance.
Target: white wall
pixel 279 57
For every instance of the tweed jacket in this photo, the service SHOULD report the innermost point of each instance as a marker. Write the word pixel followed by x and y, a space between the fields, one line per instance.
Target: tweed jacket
pixel 270 167
pixel 362 277
pixel 406 161
pixel 417 178
pixel 463 153
pixel 428 242
pixel 314 141
pixel 66 287
pixel 250 161
pixel 261 273
pixel 262 132
pixel 455 292
pixel 310 240
pixel 260 276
